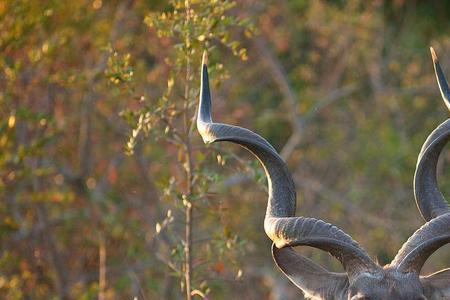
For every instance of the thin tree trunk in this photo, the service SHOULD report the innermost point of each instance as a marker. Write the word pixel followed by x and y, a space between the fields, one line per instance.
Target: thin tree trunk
pixel 101 268
pixel 187 204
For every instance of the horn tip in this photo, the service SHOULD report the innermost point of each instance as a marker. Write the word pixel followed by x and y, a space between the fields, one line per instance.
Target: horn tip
pixel 433 55
pixel 205 58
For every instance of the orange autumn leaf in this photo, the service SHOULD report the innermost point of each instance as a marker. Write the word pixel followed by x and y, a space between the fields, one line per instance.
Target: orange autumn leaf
pixel 219 267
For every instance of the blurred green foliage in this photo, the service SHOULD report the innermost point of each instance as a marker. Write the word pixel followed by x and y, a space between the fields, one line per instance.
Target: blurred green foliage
pixel 343 89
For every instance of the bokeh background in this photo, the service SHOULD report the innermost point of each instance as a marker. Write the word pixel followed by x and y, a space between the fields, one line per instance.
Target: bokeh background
pixel 100 164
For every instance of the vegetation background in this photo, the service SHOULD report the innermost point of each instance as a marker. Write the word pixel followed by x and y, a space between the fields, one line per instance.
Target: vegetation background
pixel 106 190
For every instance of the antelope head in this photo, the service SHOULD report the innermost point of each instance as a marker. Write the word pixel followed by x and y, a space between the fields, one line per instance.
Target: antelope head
pixel 363 277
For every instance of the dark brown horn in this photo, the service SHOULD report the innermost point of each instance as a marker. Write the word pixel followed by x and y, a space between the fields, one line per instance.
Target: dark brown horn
pixel 280 224
pixel 429 199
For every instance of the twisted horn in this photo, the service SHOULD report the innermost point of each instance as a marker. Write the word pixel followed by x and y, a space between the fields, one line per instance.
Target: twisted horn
pixel 280 224
pixel 429 199
pixel 422 244
pixel 440 77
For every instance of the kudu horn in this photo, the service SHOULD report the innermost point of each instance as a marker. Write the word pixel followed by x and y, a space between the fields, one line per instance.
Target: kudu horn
pixel 363 278
pixel 280 224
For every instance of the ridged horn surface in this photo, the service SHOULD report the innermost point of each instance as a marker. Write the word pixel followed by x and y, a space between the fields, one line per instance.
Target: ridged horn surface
pixel 429 199
pixel 280 224
pixel 422 244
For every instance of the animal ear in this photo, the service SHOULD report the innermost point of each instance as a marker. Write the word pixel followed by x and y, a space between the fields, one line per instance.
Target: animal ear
pixel 311 278
pixel 437 285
